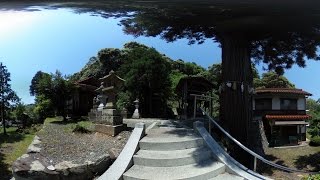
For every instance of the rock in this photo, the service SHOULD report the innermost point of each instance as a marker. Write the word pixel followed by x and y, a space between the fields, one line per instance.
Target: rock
pixel 113 153
pixel 34 142
pixel 36 138
pixel 119 137
pixel 23 156
pixel 63 167
pixel 33 149
pixel 78 168
pixel 36 166
pixel 51 168
pixel 102 164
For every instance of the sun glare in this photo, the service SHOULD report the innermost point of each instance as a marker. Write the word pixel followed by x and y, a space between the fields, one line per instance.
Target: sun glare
pixel 12 22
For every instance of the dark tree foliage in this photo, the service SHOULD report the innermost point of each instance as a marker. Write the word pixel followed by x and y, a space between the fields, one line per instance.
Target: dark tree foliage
pixel 52 92
pixel 283 50
pixel 107 59
pixel 92 69
pixel 147 78
pixel 61 93
pixel 40 84
pixel 110 59
pixel 280 35
pixel 187 68
pixel 7 95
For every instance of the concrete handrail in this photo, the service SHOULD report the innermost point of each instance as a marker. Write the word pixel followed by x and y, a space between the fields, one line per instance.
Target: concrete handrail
pixel 255 155
pixel 124 160
pixel 233 166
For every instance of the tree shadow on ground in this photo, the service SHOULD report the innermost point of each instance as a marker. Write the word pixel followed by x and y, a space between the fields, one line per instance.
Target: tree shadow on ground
pixel 61 121
pixel 4 172
pixel 309 162
pixel 263 168
pixel 11 137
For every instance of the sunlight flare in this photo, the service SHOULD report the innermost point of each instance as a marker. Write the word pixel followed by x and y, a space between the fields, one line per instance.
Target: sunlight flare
pixel 13 22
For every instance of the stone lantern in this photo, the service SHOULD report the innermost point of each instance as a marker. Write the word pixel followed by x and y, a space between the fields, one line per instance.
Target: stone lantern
pixel 101 98
pixel 136 114
pixel 111 121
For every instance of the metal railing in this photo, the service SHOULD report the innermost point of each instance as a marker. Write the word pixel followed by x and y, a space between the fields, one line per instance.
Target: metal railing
pixel 255 155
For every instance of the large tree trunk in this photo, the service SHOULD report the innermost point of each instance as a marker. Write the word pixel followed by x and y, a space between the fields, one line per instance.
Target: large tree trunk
pixel 236 103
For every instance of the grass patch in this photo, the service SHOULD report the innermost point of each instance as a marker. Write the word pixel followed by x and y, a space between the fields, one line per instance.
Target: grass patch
pixel 13 146
pixel 292 156
pixel 305 158
pixel 82 127
pixel 19 148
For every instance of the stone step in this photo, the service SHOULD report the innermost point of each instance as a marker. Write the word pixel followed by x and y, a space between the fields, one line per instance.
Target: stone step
pixel 227 176
pixel 198 171
pixel 171 158
pixel 173 143
pixel 172 131
pixel 164 139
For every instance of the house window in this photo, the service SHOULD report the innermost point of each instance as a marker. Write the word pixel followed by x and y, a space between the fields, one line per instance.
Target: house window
pixel 263 104
pixel 288 104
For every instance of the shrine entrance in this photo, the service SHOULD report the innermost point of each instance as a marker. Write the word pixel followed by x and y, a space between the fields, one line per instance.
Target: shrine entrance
pixel 194 92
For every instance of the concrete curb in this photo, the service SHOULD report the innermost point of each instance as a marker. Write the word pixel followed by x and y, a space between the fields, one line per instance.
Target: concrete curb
pixel 124 160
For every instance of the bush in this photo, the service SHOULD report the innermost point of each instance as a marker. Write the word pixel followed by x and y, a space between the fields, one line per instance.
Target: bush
pixel 315 141
pixel 314 131
pixel 313 177
pixel 81 129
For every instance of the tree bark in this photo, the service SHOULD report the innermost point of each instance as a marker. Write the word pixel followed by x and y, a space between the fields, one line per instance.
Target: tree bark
pixel 236 103
pixel 2 118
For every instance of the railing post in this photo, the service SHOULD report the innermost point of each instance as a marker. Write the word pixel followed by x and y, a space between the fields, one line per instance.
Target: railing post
pixel 209 127
pixel 255 164
pixel 195 107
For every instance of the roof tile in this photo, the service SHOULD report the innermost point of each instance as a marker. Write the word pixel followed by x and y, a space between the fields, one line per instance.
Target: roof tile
pixel 282 90
pixel 287 117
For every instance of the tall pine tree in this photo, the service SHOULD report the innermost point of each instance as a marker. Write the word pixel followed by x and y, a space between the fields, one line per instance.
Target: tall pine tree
pixel 7 95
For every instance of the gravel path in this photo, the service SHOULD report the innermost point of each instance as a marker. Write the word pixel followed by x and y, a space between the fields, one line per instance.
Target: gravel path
pixel 59 144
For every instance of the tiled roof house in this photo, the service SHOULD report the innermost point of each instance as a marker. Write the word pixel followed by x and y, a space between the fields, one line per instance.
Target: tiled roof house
pixel 283 113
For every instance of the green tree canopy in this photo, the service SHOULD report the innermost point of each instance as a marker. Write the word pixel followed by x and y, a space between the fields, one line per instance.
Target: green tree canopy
pixel 61 93
pixel 41 84
pixel 273 80
pixel 51 91
pixel 314 110
pixel 107 59
pixel 146 73
pixel 93 68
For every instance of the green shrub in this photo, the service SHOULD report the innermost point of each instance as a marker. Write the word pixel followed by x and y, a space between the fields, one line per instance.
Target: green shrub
pixel 81 129
pixel 313 177
pixel 314 131
pixel 315 141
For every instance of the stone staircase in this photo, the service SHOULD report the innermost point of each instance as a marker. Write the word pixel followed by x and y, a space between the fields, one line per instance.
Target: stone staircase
pixel 175 153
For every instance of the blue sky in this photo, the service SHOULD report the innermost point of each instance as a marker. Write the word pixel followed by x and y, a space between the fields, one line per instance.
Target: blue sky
pixel 59 39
